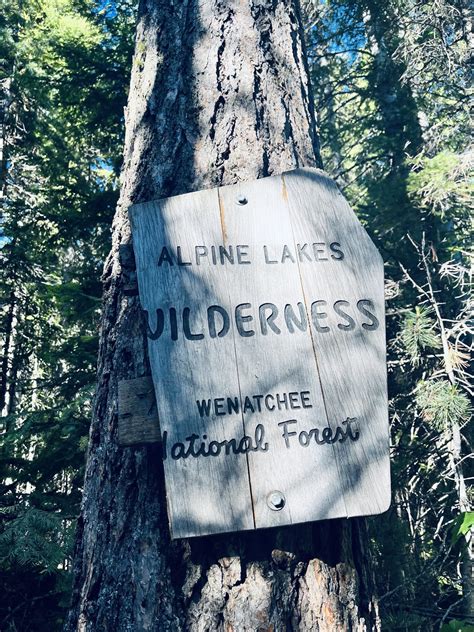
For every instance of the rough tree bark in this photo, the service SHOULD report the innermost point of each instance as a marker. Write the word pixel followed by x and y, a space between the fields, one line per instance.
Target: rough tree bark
pixel 219 93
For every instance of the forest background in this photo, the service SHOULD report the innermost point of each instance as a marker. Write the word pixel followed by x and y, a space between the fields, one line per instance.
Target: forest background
pixel 391 85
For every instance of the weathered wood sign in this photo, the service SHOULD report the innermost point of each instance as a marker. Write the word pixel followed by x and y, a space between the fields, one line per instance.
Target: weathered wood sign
pixel 264 304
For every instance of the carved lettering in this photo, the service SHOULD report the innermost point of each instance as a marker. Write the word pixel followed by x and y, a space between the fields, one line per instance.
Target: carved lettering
pixel 326 436
pixel 341 316
pixel 349 324
pixel 229 254
pixel 293 321
pixel 205 448
pixel 211 321
pixel 200 446
pixel 267 321
pixel 362 307
pixel 317 316
pixel 241 319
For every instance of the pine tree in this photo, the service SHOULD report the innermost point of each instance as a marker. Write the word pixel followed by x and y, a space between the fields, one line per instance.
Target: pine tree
pixel 59 61
pixel 391 82
pixel 219 93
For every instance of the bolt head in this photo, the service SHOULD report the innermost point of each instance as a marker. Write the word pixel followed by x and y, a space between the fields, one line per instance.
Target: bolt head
pixel 276 500
pixel 242 200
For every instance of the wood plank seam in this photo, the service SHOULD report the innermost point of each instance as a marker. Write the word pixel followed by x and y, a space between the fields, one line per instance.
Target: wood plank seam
pixel 313 342
pixel 247 463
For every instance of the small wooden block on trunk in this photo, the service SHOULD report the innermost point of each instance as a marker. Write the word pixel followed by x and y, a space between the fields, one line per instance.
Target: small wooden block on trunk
pixel 137 413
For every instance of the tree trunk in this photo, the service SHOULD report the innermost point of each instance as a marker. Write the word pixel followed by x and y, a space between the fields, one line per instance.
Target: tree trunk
pixel 7 363
pixel 219 93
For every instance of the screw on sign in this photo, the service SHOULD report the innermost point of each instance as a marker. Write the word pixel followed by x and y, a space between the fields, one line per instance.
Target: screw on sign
pixel 276 500
pixel 264 310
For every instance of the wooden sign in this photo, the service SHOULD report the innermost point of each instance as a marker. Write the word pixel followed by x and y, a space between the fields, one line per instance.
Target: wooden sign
pixel 264 304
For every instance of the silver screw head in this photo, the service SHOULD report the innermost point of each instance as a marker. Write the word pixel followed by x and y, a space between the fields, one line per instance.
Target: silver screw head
pixel 242 200
pixel 276 500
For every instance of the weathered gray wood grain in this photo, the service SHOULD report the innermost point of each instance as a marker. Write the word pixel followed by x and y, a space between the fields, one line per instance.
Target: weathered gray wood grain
pixel 277 363
pixel 351 362
pixel 303 252
pixel 205 495
pixel 137 413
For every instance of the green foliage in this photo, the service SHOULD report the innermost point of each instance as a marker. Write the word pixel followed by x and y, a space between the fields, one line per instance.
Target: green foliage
pixel 457 626
pixel 392 87
pixel 443 182
pixel 442 404
pixel 34 537
pixel 418 333
pixel 463 524
pixel 63 83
